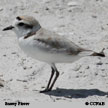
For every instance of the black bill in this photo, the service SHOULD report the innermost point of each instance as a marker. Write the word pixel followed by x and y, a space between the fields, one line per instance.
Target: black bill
pixel 8 28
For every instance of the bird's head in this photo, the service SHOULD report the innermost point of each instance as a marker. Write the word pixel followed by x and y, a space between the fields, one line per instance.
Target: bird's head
pixel 24 25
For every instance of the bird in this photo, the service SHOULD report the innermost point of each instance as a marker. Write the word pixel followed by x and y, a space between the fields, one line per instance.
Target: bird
pixel 47 46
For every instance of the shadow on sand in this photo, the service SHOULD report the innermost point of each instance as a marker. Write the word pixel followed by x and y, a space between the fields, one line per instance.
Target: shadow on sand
pixel 76 93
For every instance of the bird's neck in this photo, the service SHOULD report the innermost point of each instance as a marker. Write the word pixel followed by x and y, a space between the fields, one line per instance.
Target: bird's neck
pixel 28 33
pixel 33 32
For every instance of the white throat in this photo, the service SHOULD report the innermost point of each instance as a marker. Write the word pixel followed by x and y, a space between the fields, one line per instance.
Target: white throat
pixel 26 32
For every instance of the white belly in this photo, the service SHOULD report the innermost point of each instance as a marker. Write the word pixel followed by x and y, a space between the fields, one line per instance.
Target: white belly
pixel 35 52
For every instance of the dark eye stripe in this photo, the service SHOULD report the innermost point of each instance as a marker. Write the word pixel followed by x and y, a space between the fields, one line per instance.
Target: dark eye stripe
pixel 20 24
pixel 25 25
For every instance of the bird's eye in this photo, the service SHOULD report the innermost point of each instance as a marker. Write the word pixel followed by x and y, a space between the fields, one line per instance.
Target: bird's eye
pixel 21 24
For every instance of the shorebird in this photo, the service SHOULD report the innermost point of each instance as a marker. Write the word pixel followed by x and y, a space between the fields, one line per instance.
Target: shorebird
pixel 47 46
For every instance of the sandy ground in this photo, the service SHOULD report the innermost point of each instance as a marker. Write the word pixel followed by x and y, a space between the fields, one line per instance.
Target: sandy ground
pixel 85 22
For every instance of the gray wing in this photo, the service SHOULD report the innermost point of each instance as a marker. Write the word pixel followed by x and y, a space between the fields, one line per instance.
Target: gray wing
pixel 52 42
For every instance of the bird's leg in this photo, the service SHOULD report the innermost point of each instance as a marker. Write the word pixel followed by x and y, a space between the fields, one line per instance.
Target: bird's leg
pixel 52 74
pixel 57 75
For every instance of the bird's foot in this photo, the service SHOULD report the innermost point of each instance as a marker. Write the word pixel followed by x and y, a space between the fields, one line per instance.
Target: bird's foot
pixel 46 90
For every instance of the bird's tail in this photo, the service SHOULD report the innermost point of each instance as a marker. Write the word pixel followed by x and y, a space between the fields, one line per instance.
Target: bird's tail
pixel 101 54
pixel 92 53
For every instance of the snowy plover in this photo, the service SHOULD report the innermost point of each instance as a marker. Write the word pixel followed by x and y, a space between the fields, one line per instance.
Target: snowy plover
pixel 47 46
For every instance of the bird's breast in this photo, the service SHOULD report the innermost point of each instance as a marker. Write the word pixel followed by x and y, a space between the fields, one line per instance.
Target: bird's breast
pixel 33 49
pixel 29 47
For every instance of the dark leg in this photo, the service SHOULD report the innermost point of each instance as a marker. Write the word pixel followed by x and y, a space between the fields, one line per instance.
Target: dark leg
pixel 57 74
pixel 52 73
pixel 47 88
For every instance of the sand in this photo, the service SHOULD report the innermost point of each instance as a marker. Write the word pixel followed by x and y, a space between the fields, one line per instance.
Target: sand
pixel 84 22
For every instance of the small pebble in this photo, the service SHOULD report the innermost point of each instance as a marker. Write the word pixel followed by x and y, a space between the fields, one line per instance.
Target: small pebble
pixel 87 67
pixel 69 10
pixel 42 87
pixel 1 9
pixel 102 28
pixel 11 80
pixel 91 83
pixel 36 12
pixel 77 68
pixel 4 55
pixel 24 67
pixel 1 83
pixel 93 16
pixel 96 74
pixel 13 53
pixel 77 76
pixel 62 26
pixel 58 98
pixel 102 69
pixel 30 67
pixel 10 9
pixel 85 75
pixel 22 80
pixel 47 8
pixel 99 63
